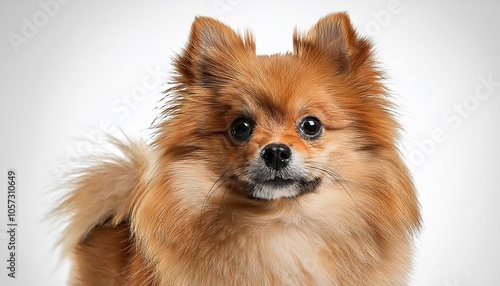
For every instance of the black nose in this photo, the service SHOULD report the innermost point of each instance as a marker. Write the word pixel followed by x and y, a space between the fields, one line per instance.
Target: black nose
pixel 276 156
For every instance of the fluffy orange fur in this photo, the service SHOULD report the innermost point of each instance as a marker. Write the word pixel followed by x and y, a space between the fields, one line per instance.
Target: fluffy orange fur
pixel 178 211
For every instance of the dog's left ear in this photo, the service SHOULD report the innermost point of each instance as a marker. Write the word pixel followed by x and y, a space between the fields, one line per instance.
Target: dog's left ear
pixel 334 38
pixel 212 54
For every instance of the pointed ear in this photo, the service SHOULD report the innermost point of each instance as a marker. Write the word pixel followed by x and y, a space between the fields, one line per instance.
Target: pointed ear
pixel 332 37
pixel 211 54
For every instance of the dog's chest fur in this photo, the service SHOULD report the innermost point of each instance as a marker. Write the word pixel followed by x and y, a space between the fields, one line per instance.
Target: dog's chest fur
pixel 274 255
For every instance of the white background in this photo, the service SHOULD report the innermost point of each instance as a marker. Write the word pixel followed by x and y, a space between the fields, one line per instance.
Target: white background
pixel 85 64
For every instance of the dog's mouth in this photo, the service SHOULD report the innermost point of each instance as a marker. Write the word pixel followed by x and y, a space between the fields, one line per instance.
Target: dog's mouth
pixel 280 188
pixel 278 183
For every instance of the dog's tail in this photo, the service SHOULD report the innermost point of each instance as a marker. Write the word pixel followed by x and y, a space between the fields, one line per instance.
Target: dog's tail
pixel 100 192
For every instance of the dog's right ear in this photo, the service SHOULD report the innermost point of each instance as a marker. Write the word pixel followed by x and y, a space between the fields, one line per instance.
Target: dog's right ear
pixel 212 54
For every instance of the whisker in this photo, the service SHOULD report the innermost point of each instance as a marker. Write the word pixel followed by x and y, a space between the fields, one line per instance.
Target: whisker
pixel 335 178
pixel 222 200
pixel 210 192
pixel 223 179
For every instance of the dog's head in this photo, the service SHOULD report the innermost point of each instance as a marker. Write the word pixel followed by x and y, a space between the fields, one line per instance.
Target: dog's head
pixel 283 125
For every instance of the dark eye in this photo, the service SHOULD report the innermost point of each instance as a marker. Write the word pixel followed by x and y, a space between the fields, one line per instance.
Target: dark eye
pixel 241 129
pixel 310 127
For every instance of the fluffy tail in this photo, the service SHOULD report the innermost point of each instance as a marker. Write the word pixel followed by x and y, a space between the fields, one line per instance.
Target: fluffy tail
pixel 100 192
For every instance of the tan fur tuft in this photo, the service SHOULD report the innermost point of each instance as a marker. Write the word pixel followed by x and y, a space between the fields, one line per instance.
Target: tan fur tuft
pixel 100 192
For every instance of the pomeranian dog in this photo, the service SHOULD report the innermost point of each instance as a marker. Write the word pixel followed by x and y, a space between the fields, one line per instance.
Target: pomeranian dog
pixel 264 170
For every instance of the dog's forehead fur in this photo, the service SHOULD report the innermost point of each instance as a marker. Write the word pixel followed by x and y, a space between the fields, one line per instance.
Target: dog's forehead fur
pixel 262 89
